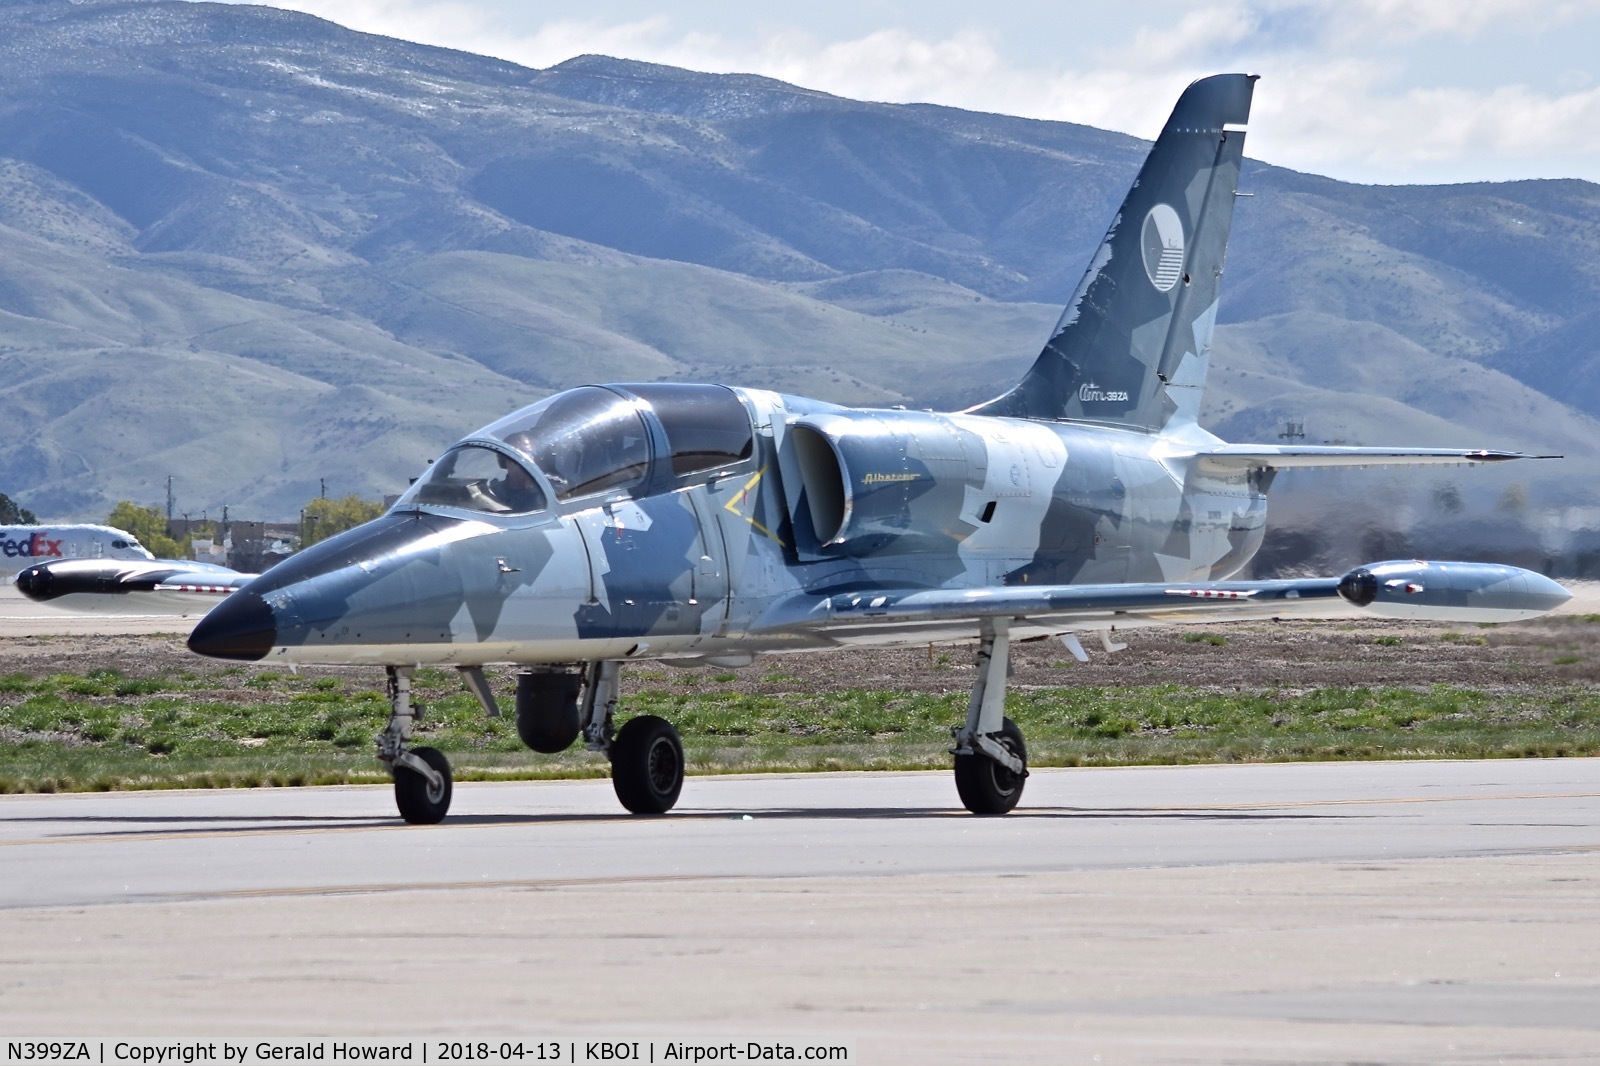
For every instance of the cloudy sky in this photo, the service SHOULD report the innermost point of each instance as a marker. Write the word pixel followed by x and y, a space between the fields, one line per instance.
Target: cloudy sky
pixel 1363 90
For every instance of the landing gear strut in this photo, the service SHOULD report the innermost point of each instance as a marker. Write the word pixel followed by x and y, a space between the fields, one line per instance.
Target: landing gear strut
pixel 422 784
pixel 991 758
pixel 646 754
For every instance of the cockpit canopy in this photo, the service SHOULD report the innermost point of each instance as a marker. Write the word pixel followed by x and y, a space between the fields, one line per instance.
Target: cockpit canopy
pixel 591 440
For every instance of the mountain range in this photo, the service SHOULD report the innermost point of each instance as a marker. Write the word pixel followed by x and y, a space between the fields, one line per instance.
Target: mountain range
pixel 254 251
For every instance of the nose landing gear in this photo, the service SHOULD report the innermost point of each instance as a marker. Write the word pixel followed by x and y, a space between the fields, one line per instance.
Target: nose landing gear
pixel 422 783
pixel 423 800
pixel 647 763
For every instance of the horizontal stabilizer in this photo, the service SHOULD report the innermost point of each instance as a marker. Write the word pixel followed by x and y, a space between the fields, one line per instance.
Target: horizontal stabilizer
pixel 1286 457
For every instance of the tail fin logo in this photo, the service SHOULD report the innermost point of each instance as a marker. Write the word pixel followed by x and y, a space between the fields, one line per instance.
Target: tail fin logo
pixel 1092 393
pixel 1162 239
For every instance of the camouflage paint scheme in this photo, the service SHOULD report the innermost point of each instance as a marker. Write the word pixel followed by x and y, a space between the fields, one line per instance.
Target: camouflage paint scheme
pixel 1091 472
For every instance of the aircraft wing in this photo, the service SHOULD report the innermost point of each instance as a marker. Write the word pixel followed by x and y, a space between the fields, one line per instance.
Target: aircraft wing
pixel 1415 589
pixel 1284 457
pixel 161 586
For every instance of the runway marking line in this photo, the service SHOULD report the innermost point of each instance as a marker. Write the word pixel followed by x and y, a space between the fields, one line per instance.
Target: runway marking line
pixel 216 834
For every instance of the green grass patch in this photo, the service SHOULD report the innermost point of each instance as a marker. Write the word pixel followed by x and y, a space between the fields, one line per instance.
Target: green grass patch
pixel 71 732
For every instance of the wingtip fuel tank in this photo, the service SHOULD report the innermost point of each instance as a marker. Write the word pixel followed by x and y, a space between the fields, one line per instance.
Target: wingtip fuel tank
pixel 1423 590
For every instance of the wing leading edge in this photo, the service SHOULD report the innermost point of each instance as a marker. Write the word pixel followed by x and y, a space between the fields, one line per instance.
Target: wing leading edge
pixel 1285 457
pixel 1430 591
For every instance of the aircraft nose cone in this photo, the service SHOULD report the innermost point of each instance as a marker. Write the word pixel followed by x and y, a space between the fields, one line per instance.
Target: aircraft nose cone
pixel 1545 594
pixel 35 582
pixel 240 627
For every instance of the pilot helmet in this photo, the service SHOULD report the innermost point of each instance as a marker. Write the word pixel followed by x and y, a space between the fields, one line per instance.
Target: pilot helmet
pixel 523 442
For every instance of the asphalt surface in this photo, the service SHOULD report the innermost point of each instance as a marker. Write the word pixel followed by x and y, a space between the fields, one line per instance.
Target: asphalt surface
pixel 155 846
pixel 1356 912
pixel 21 615
pixel 1371 912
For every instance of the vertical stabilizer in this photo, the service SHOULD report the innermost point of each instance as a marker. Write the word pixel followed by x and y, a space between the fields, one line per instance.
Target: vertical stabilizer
pixel 1132 347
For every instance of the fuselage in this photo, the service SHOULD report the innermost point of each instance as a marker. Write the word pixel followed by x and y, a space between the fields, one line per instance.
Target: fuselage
pixel 23 546
pixel 663 521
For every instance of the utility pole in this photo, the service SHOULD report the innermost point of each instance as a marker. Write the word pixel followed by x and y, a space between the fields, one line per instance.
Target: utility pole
pixel 169 501
pixel 322 487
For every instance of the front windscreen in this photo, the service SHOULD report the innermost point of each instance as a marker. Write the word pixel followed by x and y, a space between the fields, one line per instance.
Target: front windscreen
pixel 477 479
pixel 585 441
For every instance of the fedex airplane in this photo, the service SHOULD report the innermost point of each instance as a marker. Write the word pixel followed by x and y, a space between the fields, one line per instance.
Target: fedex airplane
pixel 24 546
pixel 101 568
pixel 690 523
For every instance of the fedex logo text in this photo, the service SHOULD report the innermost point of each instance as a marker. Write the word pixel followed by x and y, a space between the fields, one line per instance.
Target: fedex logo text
pixel 34 546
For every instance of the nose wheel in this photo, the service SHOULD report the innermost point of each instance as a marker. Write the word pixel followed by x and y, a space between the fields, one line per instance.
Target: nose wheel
pixel 647 765
pixel 422 798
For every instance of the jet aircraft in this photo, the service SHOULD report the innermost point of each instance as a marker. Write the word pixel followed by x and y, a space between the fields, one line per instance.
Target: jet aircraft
pixel 23 546
pixel 692 523
pixel 144 586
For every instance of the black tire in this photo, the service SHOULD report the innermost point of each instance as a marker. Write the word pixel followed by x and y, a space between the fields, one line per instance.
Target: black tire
pixel 647 765
pixel 984 785
pixel 418 804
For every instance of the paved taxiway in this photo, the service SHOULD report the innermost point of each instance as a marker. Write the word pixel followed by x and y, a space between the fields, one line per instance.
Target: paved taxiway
pixel 1388 912
pixel 21 615
pixel 1383 913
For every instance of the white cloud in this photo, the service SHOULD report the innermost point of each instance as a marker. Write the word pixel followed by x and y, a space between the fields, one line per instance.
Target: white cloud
pixel 887 65
pixel 1337 96
pixel 1397 21
pixel 1199 32
pixel 1481 134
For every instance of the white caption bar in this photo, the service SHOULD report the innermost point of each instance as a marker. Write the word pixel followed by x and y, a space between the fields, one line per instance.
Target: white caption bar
pixel 426 1051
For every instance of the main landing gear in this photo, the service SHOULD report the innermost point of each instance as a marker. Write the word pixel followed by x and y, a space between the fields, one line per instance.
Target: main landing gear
pixel 646 754
pixel 555 705
pixel 991 759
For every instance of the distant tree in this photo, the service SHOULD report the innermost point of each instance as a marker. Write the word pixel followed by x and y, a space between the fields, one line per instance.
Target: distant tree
pixel 149 524
pixel 13 513
pixel 325 517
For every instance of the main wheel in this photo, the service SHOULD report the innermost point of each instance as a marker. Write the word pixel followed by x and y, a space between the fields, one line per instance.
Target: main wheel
pixel 420 803
pixel 984 785
pixel 647 765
